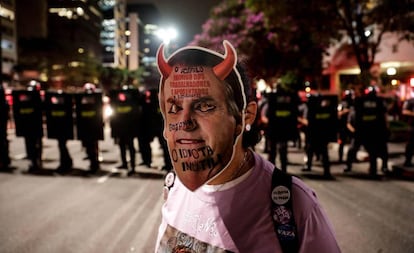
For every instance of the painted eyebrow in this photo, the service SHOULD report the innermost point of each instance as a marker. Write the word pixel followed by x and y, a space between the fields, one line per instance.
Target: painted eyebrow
pixel 171 100
pixel 204 99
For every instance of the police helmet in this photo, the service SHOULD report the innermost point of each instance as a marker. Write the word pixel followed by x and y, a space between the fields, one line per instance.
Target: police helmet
pixel 89 87
pixel 33 86
pixel 348 95
pixel 371 90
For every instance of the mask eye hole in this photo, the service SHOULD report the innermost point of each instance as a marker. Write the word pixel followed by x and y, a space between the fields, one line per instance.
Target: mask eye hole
pixel 204 106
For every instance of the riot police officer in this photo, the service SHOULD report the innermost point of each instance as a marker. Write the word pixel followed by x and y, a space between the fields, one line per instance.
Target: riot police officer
pixel 59 122
pixel 321 119
pixel 151 126
pixel 89 123
pixel 4 142
pixel 344 134
pixel 280 115
pixel 124 122
pixel 146 130
pixel 368 122
pixel 27 111
pixel 408 112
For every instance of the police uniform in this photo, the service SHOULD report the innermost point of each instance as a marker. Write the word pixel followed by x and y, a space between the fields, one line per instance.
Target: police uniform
pixel 322 119
pixel 146 128
pixel 371 131
pixel 408 106
pixel 281 112
pixel 4 142
pixel 124 121
pixel 27 112
pixel 89 123
pixel 355 143
pixel 59 122
pixel 344 135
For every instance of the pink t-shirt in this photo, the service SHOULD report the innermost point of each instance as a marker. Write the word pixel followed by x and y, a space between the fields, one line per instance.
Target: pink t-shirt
pixel 236 217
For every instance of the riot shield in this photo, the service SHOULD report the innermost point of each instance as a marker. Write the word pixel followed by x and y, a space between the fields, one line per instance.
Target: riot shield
pixel 89 118
pixel 126 111
pixel 59 115
pixel 4 143
pixel 282 114
pixel 370 113
pixel 323 117
pixel 27 113
pixel 4 112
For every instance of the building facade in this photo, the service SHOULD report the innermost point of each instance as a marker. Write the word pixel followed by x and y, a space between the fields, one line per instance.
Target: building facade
pixel 129 34
pixel 57 42
pixel 8 38
pixel 74 31
pixel 393 68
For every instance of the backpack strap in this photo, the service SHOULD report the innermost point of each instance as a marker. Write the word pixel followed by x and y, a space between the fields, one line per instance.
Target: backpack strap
pixel 282 211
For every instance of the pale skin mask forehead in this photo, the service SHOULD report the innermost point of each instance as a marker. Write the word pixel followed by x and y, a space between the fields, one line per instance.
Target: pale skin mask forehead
pixel 190 81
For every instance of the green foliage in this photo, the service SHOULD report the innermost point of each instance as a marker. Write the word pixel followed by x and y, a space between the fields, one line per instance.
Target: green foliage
pixel 114 78
pixel 245 29
pixel 376 17
pixel 273 38
pixel 111 78
pixel 288 38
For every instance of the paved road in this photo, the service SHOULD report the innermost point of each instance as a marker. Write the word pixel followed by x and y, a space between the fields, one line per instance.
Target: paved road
pixel 111 212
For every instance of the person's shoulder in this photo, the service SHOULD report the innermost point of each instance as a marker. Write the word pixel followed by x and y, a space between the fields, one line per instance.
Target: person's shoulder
pixel 304 197
pixel 312 220
pixel 302 187
pixel 264 165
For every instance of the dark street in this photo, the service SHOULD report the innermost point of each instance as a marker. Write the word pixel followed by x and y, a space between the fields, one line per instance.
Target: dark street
pixel 110 212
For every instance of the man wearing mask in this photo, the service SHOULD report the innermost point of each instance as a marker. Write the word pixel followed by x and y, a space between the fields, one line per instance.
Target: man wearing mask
pixel 210 127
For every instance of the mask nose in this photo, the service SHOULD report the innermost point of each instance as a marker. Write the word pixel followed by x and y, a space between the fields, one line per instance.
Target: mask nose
pixel 190 125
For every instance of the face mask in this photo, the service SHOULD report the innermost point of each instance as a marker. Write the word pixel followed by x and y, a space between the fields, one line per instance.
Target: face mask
pixel 199 129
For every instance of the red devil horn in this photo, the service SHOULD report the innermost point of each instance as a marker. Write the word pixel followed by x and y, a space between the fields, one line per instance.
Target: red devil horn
pixel 163 66
pixel 223 69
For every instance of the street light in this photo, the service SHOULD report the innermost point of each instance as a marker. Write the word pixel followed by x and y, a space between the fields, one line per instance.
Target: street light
pixel 166 35
pixel 391 71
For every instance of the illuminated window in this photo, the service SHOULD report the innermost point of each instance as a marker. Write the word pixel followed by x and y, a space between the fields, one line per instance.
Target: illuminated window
pixel 69 13
pixel 6 13
pixel 6 44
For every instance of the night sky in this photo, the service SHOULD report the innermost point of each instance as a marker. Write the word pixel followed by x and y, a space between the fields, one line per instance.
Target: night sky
pixel 187 16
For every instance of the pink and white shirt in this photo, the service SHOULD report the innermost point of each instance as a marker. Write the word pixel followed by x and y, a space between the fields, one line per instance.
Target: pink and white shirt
pixel 236 217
